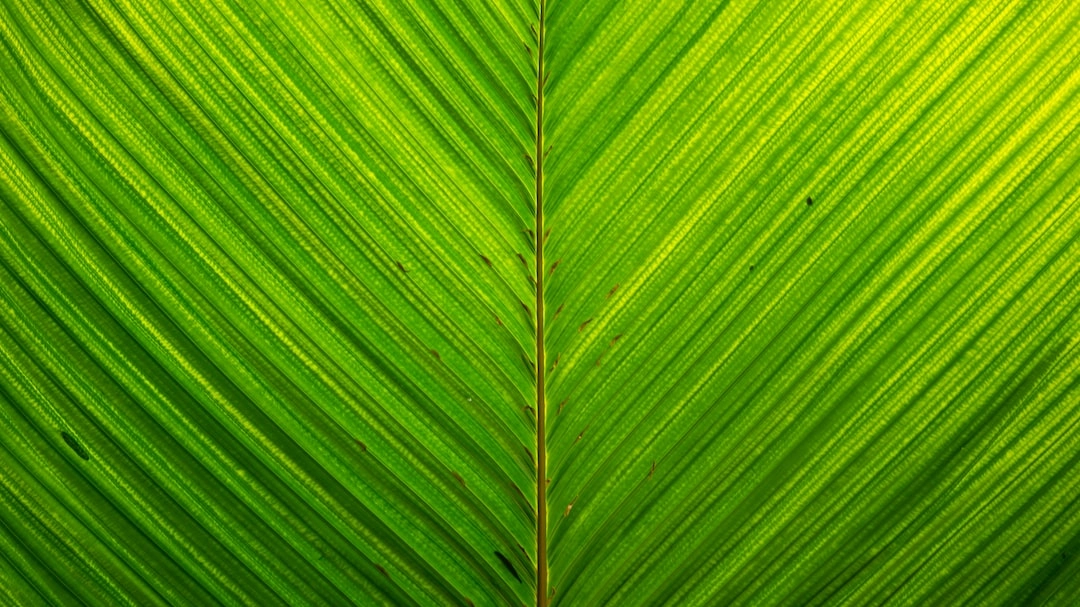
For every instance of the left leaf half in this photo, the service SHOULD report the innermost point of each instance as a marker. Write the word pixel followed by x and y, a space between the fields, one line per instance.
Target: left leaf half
pixel 264 285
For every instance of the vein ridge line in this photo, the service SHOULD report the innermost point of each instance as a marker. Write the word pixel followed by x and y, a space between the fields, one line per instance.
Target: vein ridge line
pixel 541 401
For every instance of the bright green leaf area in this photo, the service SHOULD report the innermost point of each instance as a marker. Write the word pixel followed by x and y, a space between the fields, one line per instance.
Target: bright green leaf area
pixel 268 287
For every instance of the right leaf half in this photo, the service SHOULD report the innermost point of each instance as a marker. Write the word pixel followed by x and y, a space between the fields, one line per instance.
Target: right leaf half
pixel 812 332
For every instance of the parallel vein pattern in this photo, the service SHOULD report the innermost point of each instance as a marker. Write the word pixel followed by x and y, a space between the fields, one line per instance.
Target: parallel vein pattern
pixel 813 332
pixel 265 333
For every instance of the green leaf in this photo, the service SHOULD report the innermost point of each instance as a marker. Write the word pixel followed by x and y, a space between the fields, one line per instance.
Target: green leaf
pixel 506 303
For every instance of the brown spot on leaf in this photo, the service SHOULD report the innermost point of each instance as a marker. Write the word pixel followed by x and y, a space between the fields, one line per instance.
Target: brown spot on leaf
pixel 458 478
pixel 582 326
pixel 612 291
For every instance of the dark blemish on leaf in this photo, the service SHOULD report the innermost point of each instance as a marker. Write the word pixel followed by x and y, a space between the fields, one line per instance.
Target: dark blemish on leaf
pixel 436 354
pixel 530 159
pixel 528 49
pixel 614 339
pixel 532 236
pixel 578 439
pixel 809 201
pixel 509 566
pixel 401 267
pixel 547 233
pixel 612 291
pixel 75 446
pixel 469 602
pixel 382 571
pixel 486 260
pixel 653 469
pixel 547 151
pixel 582 326
pixel 561 405
pixel 558 311
pixel 523 262
pixel 498 321
pixel 547 481
pixel 556 363
pixel 363 447
pixel 518 489
pixel 528 310
pixel 551 593
pixel 547 74
pixel 751 268
pixel 531 411
pixel 532 28
pixel 458 478
pixel 553 266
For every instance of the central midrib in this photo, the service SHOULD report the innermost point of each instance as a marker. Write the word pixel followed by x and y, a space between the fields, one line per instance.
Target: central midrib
pixel 541 404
